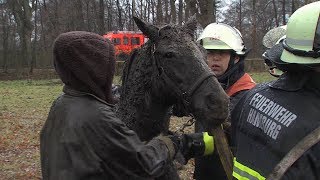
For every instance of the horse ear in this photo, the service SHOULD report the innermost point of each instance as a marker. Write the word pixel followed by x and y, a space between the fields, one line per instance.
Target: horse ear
pixel 191 25
pixel 147 29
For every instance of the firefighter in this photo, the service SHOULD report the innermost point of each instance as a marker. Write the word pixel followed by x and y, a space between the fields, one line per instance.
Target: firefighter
pixel 273 117
pixel 273 41
pixel 83 139
pixel 226 53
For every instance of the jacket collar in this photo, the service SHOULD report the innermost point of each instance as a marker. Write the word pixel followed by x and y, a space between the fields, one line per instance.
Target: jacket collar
pixel 72 92
pixel 290 81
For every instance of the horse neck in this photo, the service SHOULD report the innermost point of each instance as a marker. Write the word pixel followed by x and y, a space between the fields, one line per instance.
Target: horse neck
pixel 140 110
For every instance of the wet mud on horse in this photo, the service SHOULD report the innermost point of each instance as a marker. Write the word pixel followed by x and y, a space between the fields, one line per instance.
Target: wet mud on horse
pixel 169 69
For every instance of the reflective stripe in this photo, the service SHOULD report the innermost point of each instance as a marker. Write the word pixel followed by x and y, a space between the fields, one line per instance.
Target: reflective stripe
pixel 243 172
pixel 299 42
pixel 209 143
pixel 242 175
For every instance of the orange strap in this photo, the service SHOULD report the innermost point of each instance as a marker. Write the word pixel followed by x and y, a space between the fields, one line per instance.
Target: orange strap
pixel 244 83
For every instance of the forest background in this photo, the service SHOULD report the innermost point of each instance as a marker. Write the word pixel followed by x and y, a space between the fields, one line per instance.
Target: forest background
pixel 29 27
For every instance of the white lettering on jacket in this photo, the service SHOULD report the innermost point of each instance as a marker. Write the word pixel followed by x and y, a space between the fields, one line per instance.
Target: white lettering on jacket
pixel 268 115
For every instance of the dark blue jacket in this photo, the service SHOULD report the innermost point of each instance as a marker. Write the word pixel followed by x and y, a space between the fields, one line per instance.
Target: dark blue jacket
pixel 270 120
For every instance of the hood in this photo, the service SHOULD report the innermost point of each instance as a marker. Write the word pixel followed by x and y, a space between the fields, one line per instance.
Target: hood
pixel 85 61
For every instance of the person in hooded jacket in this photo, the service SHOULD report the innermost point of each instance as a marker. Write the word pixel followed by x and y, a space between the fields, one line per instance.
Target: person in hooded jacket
pixel 226 53
pixel 82 138
pixel 274 118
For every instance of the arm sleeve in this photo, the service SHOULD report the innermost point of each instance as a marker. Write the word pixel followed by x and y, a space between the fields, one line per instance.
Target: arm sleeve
pixel 119 147
pixel 235 117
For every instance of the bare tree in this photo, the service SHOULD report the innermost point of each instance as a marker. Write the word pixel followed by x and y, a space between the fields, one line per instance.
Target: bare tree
pixel 180 12
pixel 173 12
pixel 284 12
pixel 133 12
pixel 275 9
pixel 35 39
pixel 5 36
pixel 240 15
pixel 38 22
pixel 159 12
pixel 205 11
pixel 22 14
pixel 254 26
pixel 166 11
pixel 120 25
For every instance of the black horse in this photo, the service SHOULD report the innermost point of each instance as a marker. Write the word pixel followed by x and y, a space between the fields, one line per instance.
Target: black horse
pixel 169 69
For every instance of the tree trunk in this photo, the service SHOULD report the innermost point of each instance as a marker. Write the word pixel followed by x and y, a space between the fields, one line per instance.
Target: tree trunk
pixel 101 29
pixel 166 11
pixel 293 6
pixel 284 12
pixel 153 3
pixel 254 28
pixel 159 12
pixel 173 11
pixel 180 12
pixel 88 16
pixel 141 9
pixel 79 19
pixel 120 25
pixel 22 14
pixel 275 9
pixel 187 11
pixel 205 13
pixel 43 12
pixel 240 16
pixel 133 9
pixel 5 39
pixel 34 44
pixel 148 10
pixel 55 19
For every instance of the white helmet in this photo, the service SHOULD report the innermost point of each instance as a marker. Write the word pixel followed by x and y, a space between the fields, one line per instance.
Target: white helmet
pixel 272 40
pixel 222 36
pixel 274 36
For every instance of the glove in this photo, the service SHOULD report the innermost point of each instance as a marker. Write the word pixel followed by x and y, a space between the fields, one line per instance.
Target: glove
pixel 190 145
pixel 193 145
pixel 196 144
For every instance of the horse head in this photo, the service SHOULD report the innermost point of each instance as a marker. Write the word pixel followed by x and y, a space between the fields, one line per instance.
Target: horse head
pixel 181 74
pixel 169 69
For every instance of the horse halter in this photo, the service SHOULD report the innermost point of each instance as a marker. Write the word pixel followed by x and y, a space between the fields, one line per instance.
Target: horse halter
pixel 185 95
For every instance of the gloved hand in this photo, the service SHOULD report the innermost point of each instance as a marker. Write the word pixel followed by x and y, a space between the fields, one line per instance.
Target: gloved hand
pixel 193 145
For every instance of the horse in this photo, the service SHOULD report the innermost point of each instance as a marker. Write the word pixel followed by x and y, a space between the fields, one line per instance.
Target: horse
pixel 169 69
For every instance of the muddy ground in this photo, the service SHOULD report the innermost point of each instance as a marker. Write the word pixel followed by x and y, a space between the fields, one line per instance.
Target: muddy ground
pixel 185 171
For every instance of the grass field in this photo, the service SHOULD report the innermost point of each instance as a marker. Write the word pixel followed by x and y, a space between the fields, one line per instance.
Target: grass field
pixel 24 105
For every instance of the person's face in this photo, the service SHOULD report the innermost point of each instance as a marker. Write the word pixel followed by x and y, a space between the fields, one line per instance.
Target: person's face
pixel 218 60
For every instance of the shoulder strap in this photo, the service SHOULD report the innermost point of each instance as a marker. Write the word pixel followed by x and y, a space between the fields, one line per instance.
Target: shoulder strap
pixel 294 154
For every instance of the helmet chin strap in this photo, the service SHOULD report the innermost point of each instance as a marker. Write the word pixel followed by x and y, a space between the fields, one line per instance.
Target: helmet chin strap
pixel 230 66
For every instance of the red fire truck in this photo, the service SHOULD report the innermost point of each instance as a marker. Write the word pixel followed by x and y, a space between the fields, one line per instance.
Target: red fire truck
pixel 125 42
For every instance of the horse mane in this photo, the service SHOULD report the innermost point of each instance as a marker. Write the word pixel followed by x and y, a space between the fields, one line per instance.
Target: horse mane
pixel 136 82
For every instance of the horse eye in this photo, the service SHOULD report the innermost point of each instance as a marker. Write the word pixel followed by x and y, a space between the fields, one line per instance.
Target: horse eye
pixel 169 55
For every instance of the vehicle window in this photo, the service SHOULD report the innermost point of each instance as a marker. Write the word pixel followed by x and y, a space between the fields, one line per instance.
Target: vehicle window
pixel 125 40
pixel 135 41
pixel 116 41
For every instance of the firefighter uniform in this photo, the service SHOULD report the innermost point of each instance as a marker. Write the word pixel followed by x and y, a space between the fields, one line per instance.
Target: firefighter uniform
pixel 273 119
pixel 217 38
